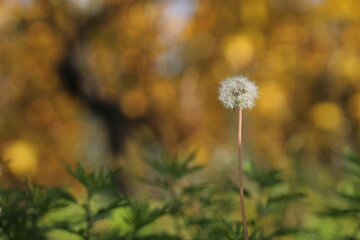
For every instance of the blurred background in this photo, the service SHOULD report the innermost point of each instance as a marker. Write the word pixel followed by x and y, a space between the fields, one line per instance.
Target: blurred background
pixel 105 81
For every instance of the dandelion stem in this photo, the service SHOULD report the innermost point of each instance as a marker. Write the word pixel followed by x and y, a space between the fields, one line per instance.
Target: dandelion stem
pixel 241 186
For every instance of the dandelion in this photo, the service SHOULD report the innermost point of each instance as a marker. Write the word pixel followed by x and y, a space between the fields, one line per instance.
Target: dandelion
pixel 239 93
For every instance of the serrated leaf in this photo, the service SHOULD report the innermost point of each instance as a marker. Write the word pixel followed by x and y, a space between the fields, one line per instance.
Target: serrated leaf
pixel 141 215
pixel 172 167
pixel 286 198
pixel 105 212
pixel 93 181
pixel 193 189
pixel 284 231
pixel 334 212
pixel 265 179
pixel 349 197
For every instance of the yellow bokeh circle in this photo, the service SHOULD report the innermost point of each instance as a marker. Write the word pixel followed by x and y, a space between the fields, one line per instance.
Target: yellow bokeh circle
pixel 22 158
pixel 327 116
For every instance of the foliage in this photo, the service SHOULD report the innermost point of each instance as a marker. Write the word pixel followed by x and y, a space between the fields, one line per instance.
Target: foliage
pixel 193 209
pixel 347 205
pixel 191 206
pixel 22 211
pixel 26 213
pixel 204 210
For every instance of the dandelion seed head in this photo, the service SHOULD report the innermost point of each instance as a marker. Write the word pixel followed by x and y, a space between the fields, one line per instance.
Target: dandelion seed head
pixel 238 93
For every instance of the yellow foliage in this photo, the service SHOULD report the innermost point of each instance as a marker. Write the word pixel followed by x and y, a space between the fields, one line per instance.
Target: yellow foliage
pixel 345 9
pixel 281 58
pixel 22 158
pixel 6 15
pixel 354 106
pixel 327 116
pixel 239 51
pixel 134 103
pixel 272 98
pixel 306 48
pixel 163 95
pixel 254 12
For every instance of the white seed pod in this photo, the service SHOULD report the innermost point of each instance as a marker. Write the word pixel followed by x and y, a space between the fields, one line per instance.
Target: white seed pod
pixel 238 93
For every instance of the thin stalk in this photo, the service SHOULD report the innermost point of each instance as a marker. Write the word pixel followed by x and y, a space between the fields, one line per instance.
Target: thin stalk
pixel 88 217
pixel 241 184
pixel 174 199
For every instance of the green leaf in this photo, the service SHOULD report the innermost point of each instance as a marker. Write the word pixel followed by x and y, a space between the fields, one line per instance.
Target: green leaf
pixel 284 232
pixel 194 189
pixel 169 166
pixel 286 198
pixel 93 181
pixel 335 212
pixel 265 179
pixel 64 225
pixel 351 198
pixel 351 156
pixel 105 212
pixel 141 215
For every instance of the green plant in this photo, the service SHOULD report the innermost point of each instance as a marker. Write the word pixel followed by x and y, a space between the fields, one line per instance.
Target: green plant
pixel 99 182
pixel 187 206
pixel 347 205
pixel 22 212
pixel 272 197
pixel 26 214
pixel 203 210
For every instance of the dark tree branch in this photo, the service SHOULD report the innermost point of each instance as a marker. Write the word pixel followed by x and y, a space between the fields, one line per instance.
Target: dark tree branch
pixel 117 124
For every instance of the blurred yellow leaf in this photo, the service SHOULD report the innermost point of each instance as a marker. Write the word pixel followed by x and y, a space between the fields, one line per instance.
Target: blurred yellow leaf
pixel 163 96
pixel 254 12
pixel 22 158
pixel 272 98
pixel 327 116
pixel 134 103
pixel 239 51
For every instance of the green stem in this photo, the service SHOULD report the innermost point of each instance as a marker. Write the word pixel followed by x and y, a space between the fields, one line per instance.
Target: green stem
pixel 88 217
pixel 174 199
